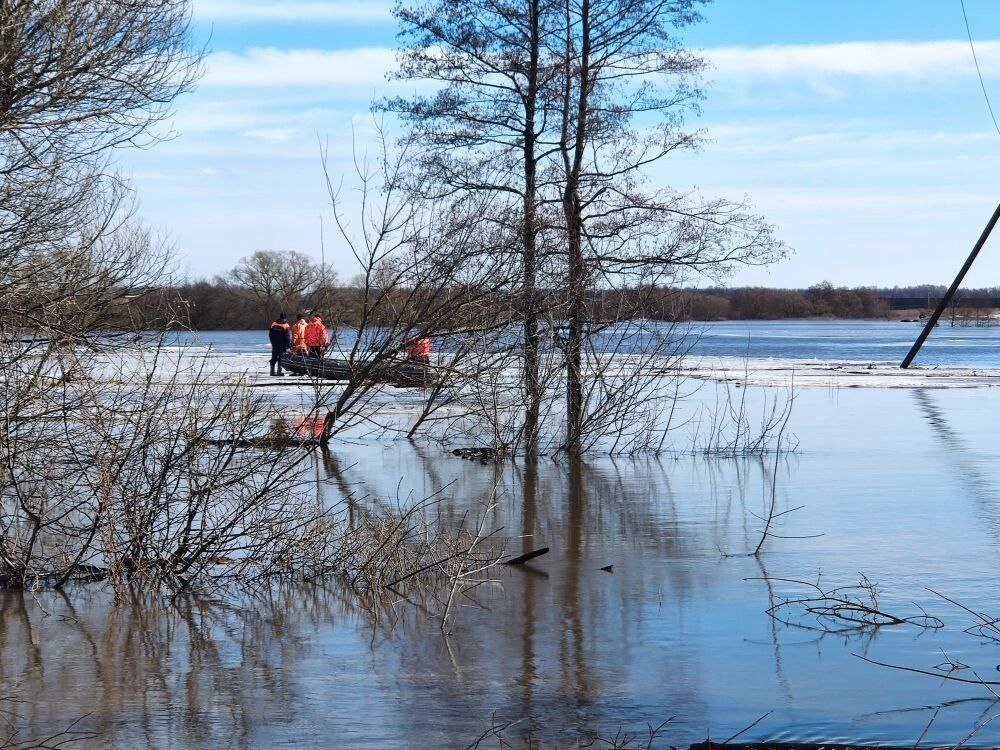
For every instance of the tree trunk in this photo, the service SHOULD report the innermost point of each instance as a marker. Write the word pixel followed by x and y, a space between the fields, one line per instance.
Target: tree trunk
pixel 532 385
pixel 577 290
pixel 575 128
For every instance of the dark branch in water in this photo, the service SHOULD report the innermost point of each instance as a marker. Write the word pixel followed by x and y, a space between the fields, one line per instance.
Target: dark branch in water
pixel 522 559
pixel 987 626
pixel 747 728
pixel 927 672
pixel 844 609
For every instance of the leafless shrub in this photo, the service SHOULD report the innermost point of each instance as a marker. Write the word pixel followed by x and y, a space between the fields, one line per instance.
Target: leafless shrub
pixel 161 476
pixel 841 610
pixel 427 270
pixel 475 560
pixel 732 426
pixel 771 516
pixel 146 480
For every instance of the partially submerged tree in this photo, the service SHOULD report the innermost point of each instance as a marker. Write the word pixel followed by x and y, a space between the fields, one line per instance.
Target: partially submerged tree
pixel 557 111
pixel 627 83
pixel 482 132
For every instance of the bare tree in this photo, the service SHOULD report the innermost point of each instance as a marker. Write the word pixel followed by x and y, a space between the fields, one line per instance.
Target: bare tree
pixel 285 279
pixel 429 268
pixel 626 84
pixel 556 110
pixel 77 78
pixel 481 133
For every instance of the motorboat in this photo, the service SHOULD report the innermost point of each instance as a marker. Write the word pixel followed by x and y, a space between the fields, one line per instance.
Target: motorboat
pixel 406 373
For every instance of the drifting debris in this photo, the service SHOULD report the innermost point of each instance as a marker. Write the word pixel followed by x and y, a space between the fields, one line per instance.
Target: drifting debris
pixel 844 609
pixel 522 559
pixel 483 455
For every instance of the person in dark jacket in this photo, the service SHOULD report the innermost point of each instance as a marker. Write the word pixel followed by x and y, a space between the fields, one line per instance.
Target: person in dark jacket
pixel 280 335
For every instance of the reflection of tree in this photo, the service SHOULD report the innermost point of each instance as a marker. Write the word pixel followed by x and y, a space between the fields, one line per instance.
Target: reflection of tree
pixel 193 673
pixel 572 646
pixel 527 675
pixel 559 640
pixel 561 636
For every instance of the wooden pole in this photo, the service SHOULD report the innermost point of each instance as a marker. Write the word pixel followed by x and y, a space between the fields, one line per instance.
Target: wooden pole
pixel 946 300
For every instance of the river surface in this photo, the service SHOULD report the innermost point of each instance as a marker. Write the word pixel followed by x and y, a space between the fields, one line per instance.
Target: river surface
pixel 901 485
pixel 867 341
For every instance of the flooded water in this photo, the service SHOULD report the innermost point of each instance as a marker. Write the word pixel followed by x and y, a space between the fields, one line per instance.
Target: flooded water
pixel 902 486
pixel 841 340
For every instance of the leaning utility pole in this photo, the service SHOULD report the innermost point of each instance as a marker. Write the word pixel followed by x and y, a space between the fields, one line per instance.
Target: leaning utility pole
pixel 946 300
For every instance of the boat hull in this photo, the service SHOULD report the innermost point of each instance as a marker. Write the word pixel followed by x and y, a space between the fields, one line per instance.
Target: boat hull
pixel 410 374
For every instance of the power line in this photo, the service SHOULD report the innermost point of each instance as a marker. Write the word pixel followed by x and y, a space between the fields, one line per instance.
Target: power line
pixel 979 72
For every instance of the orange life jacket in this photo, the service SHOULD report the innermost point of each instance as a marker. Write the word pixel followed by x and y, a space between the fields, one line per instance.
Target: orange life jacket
pixel 299 335
pixel 420 347
pixel 316 333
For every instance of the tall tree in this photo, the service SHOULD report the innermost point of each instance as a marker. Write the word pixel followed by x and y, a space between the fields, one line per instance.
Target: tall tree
pixel 481 131
pixel 285 279
pixel 77 79
pixel 558 109
pixel 626 85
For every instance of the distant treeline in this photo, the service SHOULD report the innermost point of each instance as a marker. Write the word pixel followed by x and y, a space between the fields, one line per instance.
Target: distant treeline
pixel 223 305
pixel 760 303
pixel 820 301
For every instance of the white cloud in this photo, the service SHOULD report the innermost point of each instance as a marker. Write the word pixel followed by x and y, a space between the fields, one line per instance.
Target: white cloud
pixel 270 134
pixel 900 60
pixel 811 63
pixel 267 66
pixel 246 11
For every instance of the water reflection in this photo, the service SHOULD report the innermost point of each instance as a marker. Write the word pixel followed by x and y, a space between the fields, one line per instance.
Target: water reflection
pixel 559 643
pixel 969 469
pixel 191 673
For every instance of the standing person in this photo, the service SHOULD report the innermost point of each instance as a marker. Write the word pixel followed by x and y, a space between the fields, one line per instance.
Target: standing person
pixel 418 349
pixel 317 338
pixel 280 335
pixel 299 335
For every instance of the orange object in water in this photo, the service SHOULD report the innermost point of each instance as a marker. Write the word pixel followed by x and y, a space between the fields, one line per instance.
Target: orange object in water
pixel 309 427
pixel 418 347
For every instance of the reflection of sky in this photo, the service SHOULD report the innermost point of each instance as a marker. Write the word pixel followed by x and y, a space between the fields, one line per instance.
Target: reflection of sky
pixel 901 485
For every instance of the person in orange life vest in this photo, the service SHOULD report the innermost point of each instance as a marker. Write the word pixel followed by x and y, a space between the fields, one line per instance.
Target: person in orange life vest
pixel 280 336
pixel 317 338
pixel 418 349
pixel 299 335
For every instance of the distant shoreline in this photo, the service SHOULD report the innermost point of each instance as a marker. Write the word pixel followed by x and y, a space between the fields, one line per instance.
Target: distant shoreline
pixel 897 316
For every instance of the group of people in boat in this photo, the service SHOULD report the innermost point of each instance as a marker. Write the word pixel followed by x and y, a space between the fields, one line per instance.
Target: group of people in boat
pixel 312 339
pixel 304 338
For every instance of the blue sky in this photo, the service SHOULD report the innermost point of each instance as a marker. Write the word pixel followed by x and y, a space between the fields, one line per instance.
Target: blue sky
pixel 858 128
